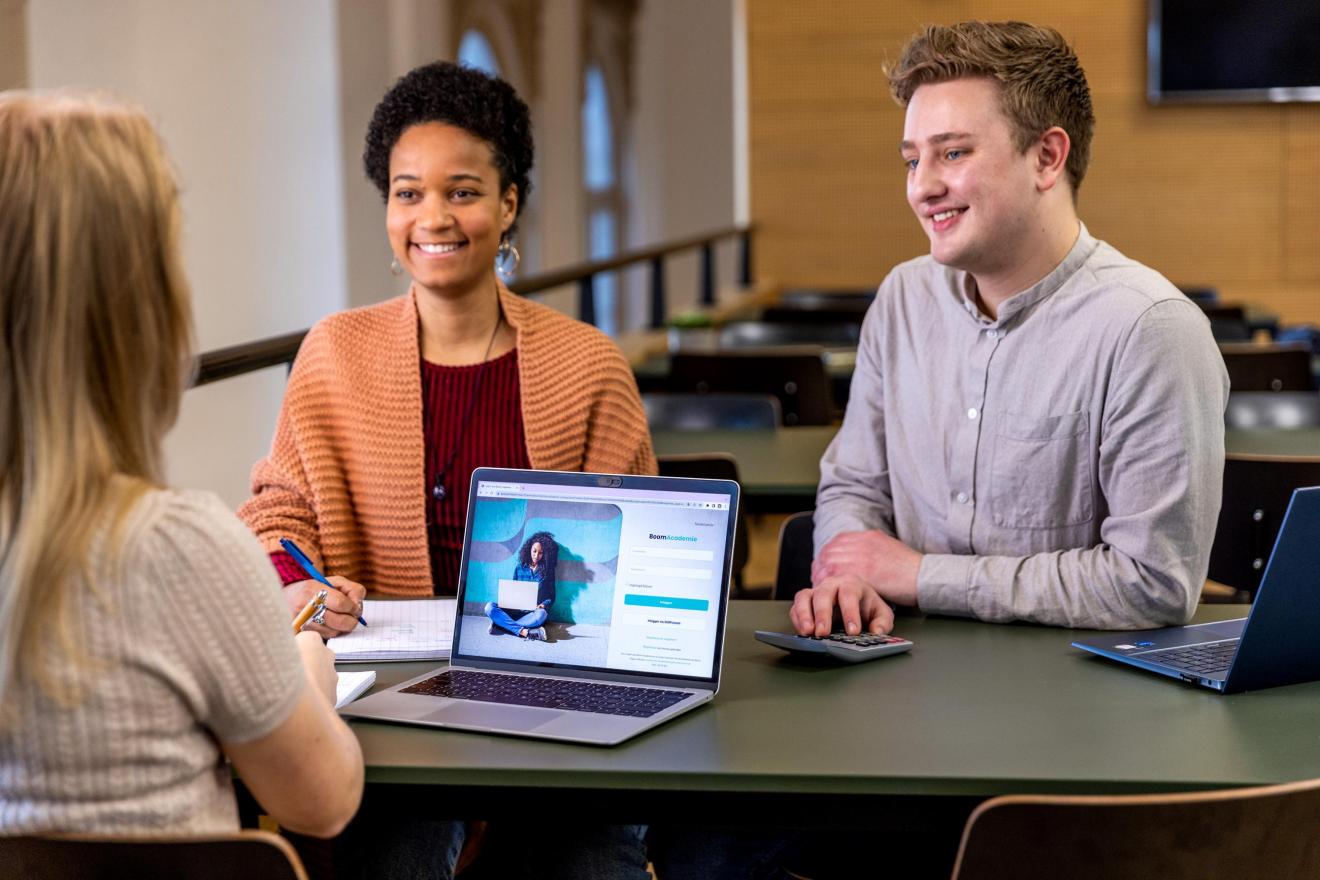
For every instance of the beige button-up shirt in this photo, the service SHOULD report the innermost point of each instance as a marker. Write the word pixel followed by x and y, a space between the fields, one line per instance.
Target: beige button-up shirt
pixel 1062 464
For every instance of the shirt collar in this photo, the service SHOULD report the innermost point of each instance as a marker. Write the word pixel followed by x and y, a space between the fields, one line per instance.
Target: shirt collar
pixel 1018 303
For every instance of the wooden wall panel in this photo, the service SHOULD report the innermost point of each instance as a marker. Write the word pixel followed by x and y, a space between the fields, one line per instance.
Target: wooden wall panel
pixel 1301 196
pixel 1223 195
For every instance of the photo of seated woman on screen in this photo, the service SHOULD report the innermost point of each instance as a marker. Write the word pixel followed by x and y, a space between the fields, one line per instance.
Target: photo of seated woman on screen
pixel 536 564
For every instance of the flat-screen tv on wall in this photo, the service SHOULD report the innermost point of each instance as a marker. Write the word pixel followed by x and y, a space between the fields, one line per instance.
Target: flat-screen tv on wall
pixel 1233 50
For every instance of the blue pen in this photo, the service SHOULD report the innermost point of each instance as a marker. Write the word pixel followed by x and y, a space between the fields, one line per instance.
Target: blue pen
pixel 301 558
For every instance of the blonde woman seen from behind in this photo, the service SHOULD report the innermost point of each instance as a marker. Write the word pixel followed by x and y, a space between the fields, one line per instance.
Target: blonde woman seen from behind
pixel 124 681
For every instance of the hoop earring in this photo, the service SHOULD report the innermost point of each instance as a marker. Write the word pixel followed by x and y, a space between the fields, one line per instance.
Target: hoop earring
pixel 396 268
pixel 502 257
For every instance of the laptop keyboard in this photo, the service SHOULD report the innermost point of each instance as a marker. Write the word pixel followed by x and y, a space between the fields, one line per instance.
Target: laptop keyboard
pixel 548 693
pixel 1204 659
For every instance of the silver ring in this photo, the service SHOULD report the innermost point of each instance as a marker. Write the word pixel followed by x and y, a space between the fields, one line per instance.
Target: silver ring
pixel 319 617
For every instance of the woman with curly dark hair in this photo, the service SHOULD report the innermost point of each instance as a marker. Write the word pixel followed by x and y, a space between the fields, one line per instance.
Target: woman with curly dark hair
pixel 390 407
pixel 536 562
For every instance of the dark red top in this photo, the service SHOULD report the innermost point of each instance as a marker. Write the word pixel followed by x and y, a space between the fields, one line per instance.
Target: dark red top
pixel 494 438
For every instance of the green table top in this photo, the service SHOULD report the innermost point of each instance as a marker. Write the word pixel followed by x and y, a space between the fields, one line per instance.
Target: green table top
pixel 1273 441
pixel 973 710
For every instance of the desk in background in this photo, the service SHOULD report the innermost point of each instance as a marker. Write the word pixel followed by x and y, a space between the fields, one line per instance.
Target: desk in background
pixel 974 710
pixel 778 470
pixel 1290 442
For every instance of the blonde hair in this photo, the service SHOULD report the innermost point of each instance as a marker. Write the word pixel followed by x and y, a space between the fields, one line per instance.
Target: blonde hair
pixel 93 357
pixel 1041 82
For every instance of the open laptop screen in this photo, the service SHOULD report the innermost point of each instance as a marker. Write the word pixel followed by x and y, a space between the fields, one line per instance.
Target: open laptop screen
pixel 632 572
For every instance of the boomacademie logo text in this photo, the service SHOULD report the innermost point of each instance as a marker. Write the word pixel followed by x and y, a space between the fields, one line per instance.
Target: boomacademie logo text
pixel 655 537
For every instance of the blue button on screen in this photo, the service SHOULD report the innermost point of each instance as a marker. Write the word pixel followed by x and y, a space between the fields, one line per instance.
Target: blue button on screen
pixel 666 602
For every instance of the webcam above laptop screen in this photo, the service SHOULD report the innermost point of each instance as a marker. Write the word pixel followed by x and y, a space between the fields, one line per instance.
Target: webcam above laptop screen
pixel 609 482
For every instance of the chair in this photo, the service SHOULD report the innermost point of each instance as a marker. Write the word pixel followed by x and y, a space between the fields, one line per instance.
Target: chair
pixel 1272 409
pixel 796 549
pixel 712 412
pixel 754 334
pixel 796 376
pixel 252 855
pixel 1227 323
pixel 1267 367
pixel 1202 296
pixel 714 466
pixel 787 314
pixel 1248 834
pixel 812 297
pixel 1257 489
pixel 1227 313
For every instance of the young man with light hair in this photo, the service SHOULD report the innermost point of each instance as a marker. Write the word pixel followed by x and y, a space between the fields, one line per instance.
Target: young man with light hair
pixel 1035 430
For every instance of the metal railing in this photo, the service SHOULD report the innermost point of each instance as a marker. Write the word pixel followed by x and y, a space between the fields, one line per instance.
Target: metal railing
pixel 236 360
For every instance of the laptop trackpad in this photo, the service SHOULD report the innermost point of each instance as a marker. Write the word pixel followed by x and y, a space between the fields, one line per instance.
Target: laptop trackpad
pixel 487 716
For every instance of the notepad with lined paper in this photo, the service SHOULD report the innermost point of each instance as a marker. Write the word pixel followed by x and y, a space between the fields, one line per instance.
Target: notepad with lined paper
pixel 400 629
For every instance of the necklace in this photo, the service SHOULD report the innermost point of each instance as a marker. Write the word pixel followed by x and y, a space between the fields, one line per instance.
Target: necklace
pixel 438 491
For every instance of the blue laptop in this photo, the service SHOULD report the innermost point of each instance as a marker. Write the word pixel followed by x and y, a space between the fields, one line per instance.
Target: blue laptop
pixel 1275 644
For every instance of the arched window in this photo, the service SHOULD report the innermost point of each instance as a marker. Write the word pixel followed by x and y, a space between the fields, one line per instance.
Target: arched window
pixel 600 175
pixel 475 51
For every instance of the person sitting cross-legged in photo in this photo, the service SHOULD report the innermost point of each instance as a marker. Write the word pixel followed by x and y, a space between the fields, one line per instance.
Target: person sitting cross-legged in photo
pixel 536 562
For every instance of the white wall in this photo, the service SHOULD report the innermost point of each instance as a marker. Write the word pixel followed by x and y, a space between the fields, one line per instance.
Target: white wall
pixel 245 94
pixel 683 139
pixel 264 106
pixel 378 42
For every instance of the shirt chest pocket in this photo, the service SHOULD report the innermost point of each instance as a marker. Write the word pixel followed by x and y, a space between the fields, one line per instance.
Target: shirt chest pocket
pixel 1040 471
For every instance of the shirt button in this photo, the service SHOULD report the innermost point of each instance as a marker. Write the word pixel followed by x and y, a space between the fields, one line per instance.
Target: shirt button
pixel 971 413
pixel 962 497
pixel 993 334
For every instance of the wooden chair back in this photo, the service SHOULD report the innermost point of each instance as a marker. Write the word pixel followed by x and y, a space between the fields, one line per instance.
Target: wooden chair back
pixel 1248 834
pixel 250 855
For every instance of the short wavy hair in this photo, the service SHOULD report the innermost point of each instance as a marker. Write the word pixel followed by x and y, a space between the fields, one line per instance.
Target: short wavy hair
pixel 549 550
pixel 484 106
pixel 1041 82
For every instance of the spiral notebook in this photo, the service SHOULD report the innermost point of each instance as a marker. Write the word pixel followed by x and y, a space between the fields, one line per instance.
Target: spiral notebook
pixel 399 629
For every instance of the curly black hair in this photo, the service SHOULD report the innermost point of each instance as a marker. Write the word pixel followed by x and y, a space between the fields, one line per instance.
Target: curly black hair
pixel 484 106
pixel 549 550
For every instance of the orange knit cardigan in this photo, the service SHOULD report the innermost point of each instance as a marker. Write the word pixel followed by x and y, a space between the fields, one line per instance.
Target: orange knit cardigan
pixel 345 471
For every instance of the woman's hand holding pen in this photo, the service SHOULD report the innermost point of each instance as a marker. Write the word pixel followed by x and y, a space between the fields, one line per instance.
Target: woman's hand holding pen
pixel 343 604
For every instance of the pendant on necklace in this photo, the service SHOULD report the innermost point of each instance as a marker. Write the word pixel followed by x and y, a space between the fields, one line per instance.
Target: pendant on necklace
pixel 438 491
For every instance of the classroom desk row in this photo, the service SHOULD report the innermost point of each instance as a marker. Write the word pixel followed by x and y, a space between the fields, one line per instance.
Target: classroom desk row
pixel 974 710
pixel 779 469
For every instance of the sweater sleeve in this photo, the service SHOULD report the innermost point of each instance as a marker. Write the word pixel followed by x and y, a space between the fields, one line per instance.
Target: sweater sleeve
pixel 282 503
pixel 618 439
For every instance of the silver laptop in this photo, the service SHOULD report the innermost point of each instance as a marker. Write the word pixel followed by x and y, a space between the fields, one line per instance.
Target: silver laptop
pixel 517 594
pixel 638 573
pixel 1275 645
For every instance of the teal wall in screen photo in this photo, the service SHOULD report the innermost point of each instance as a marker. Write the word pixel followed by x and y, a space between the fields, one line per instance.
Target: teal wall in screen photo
pixel 588 538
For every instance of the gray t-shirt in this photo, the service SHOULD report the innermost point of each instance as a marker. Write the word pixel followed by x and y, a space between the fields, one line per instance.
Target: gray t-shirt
pixel 188 644
pixel 1062 464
